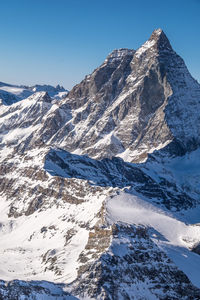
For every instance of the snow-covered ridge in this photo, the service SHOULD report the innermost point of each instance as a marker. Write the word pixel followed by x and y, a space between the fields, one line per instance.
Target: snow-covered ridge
pixel 117 54
pixel 146 46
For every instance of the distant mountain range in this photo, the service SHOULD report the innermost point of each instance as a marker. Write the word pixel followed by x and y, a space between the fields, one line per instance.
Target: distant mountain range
pixel 10 94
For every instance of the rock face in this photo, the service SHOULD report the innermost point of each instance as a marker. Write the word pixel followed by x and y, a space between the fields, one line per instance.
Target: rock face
pixel 99 190
pixel 129 268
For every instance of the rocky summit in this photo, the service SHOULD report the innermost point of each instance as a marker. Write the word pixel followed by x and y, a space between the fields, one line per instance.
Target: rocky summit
pixel 99 186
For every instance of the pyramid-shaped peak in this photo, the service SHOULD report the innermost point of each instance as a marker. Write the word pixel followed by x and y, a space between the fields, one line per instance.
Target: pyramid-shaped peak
pixel 160 38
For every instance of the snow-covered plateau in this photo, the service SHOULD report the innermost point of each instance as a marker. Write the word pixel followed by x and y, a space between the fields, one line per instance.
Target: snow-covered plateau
pixel 99 186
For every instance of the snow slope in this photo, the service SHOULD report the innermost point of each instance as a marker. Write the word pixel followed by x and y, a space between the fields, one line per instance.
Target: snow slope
pixel 173 236
pixel 30 244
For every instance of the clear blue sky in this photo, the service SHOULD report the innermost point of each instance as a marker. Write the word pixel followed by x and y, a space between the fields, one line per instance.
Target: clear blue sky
pixel 60 41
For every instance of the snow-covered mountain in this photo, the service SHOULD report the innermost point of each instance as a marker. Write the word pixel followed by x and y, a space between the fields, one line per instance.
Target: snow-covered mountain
pixel 100 189
pixel 10 94
pixel 135 103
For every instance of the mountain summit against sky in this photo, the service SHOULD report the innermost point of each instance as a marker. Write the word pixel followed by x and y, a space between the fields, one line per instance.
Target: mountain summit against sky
pixel 99 190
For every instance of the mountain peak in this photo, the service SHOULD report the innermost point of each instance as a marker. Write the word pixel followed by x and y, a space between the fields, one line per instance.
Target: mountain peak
pixel 41 96
pixel 157 42
pixel 157 32
pixel 160 38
